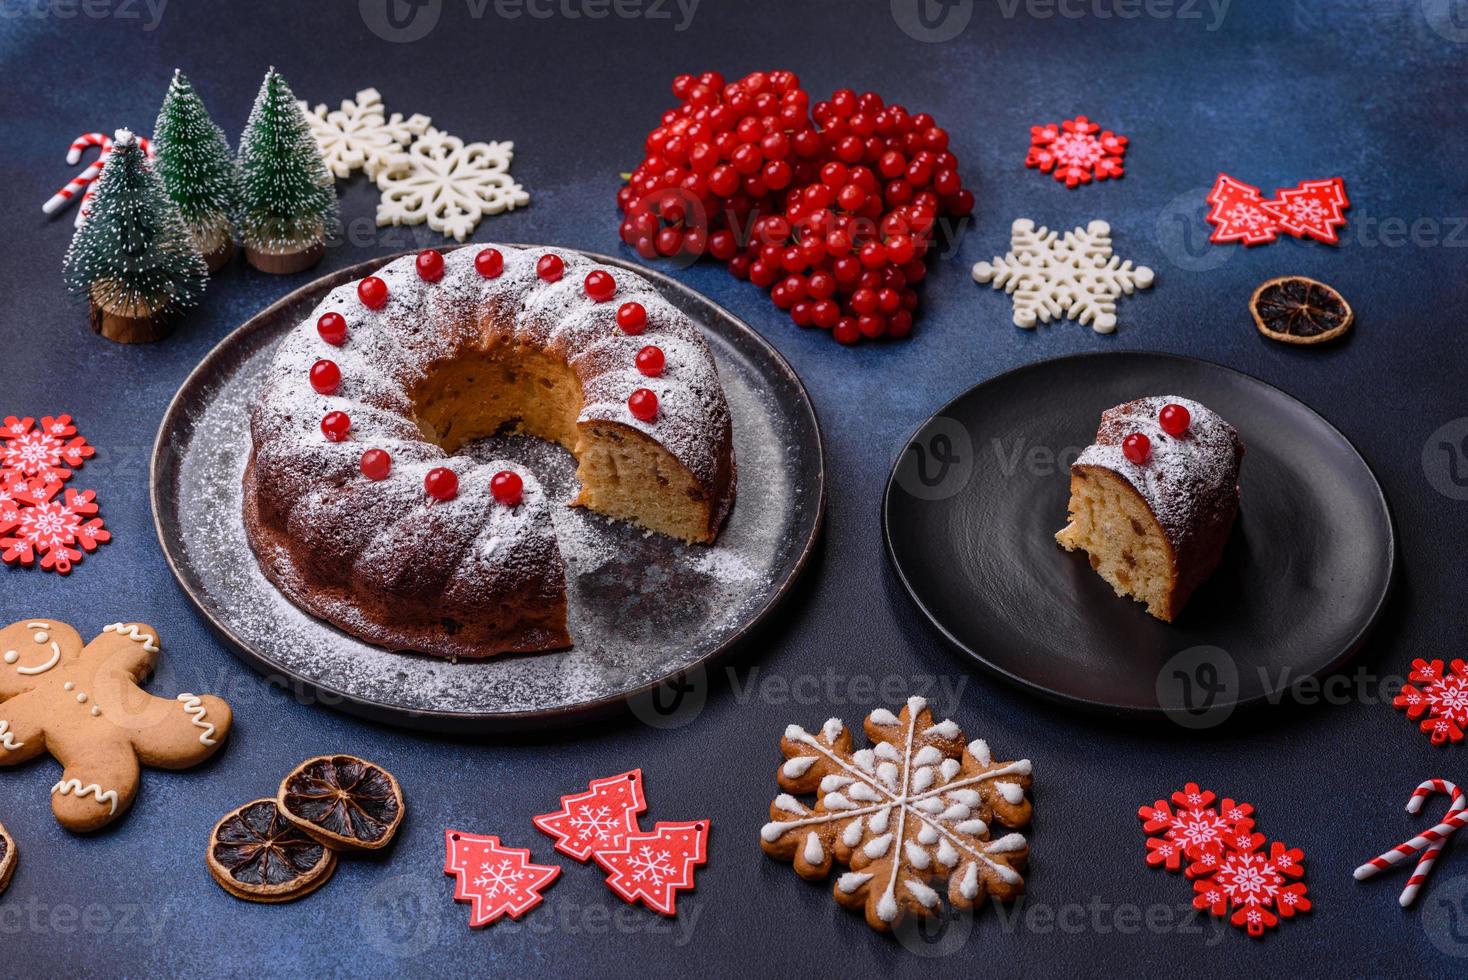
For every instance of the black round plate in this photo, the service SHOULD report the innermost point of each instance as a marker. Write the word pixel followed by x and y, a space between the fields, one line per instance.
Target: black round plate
pixel 975 499
pixel 645 610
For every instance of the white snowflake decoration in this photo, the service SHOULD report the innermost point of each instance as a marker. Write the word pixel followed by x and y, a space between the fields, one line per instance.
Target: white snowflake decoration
pixel 594 823
pixel 448 183
pixel 653 867
pixel 360 135
pixel 1076 277
pixel 911 811
pixel 500 878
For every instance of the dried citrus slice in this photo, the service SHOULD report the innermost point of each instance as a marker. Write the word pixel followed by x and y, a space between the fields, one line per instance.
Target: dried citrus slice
pixel 1298 310
pixel 7 858
pixel 258 855
pixel 343 801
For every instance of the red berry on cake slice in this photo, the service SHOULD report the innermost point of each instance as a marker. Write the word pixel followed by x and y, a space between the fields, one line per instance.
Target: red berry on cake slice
pixel 1153 507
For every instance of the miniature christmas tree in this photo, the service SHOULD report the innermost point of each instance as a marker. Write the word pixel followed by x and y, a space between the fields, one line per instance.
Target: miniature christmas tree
pixel 134 259
pixel 197 170
pixel 289 200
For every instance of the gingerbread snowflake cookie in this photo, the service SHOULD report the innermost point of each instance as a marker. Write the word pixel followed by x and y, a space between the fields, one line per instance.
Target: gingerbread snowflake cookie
pixel 83 704
pixel 916 809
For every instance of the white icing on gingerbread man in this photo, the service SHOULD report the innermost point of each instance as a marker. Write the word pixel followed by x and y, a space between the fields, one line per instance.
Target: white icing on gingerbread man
pixel 83 705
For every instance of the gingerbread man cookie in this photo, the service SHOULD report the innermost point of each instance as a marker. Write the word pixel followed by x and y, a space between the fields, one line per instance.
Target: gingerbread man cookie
pixel 83 705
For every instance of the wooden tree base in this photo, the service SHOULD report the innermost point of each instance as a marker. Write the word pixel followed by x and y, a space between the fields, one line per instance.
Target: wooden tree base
pixel 220 257
pixel 285 263
pixel 132 329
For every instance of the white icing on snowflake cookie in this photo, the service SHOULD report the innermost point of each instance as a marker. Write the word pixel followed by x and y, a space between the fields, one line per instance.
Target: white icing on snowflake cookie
pixel 360 135
pixel 1077 277
pixel 448 183
pixel 913 810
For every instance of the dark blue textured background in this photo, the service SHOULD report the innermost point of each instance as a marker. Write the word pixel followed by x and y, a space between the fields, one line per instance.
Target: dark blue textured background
pixel 1271 93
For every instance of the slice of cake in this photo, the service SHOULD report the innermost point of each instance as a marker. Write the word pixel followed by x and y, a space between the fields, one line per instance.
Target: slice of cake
pixel 1152 500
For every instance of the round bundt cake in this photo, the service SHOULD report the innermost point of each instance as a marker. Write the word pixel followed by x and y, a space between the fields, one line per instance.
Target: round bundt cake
pixel 360 506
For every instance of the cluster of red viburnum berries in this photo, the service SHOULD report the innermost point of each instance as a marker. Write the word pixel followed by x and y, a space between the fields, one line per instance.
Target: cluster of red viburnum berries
pixel 830 207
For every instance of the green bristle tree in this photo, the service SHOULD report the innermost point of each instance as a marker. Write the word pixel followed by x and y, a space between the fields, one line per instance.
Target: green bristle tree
pixel 133 258
pixel 198 171
pixel 289 198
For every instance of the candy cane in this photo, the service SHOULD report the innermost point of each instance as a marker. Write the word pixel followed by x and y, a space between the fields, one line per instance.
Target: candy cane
pixel 63 197
pixel 84 182
pixel 1429 843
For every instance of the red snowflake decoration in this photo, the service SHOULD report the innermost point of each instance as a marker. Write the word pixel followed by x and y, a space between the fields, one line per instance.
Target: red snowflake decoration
pixel 1442 697
pixel 1233 876
pixel 494 879
pixel 47 453
pixel 653 867
pixel 1251 885
pixel 598 819
pixel 1194 830
pixel 57 530
pixel 1076 151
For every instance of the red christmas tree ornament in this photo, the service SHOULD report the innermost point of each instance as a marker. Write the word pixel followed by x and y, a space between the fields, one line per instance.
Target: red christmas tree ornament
pixel 59 531
pixel 46 453
pixel 1312 209
pixel 1237 213
pixel 600 285
pixel 333 328
pixel 507 488
pixel 489 263
pixel 441 483
pixel 376 464
pixel 430 265
pixel 550 267
pixel 495 880
pixel 335 426
pixel 1076 151
pixel 326 377
pixel 653 867
pixel 601 818
pixel 632 318
pixel 372 291
pixel 643 404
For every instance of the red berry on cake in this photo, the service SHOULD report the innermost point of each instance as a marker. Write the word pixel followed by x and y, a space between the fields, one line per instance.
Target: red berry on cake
pixel 1174 419
pixel 441 483
pixel 430 265
pixel 372 291
pixel 650 361
pixel 376 464
pixel 600 285
pixel 507 488
pixel 550 267
pixel 631 317
pixel 333 328
pixel 643 404
pixel 326 377
pixel 335 426
pixel 1137 447
pixel 489 263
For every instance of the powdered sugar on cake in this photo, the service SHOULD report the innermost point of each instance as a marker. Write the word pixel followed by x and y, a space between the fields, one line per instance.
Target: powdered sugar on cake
pixel 1186 476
